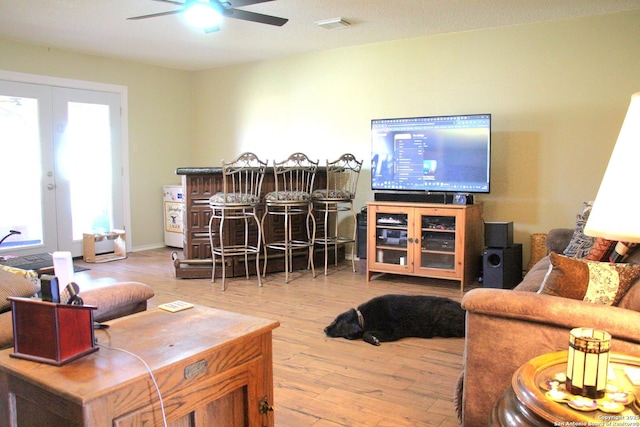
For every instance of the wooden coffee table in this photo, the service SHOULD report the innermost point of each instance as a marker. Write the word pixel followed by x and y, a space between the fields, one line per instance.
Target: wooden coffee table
pixel 212 368
pixel 525 403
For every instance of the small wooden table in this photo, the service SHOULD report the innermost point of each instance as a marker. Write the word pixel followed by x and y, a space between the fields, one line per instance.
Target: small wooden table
pixel 212 368
pixel 525 404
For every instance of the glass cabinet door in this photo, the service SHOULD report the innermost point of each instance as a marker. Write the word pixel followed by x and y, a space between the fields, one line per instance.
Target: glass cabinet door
pixel 391 238
pixel 438 242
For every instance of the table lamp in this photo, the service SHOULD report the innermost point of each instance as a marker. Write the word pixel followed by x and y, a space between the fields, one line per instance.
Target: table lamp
pixel 588 362
pixel 614 215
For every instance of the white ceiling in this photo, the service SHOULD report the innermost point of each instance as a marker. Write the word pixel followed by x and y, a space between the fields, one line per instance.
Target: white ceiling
pixel 100 27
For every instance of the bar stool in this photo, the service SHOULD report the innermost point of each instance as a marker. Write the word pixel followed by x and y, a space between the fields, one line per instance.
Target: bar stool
pixel 342 181
pixel 242 184
pixel 292 197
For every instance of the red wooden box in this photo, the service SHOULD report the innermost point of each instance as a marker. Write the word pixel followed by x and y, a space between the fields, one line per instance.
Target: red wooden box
pixel 51 333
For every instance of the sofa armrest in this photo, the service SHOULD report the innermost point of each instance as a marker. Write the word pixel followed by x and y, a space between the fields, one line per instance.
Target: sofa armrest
pixel 555 311
pixel 558 239
pixel 631 300
pixel 115 300
pixel 505 329
pixel 6 330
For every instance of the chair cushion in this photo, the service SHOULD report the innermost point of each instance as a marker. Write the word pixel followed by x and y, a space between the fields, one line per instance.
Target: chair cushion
pixel 287 196
pixel 234 198
pixel 333 194
pixel 15 282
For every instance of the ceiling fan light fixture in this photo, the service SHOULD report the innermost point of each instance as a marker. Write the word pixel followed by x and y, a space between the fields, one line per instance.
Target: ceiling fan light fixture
pixel 202 15
pixel 333 23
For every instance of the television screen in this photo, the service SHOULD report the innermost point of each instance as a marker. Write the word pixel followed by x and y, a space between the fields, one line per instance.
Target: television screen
pixel 434 154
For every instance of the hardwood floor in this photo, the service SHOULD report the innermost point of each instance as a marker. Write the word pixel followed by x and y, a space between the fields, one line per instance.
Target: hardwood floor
pixel 319 381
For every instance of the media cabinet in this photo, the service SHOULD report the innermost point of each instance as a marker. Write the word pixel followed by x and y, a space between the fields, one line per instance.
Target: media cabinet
pixel 423 239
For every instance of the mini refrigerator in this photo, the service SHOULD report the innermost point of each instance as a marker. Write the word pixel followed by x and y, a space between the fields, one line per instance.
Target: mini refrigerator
pixel 173 200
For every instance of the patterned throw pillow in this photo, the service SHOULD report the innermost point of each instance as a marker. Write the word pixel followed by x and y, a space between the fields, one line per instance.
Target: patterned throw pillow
pixel 592 281
pixel 16 283
pixel 580 244
pixel 601 249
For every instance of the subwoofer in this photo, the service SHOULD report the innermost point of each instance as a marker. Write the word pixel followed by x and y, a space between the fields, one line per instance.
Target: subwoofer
pixel 502 267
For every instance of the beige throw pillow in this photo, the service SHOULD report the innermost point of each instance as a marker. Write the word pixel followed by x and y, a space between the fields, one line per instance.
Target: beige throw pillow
pixel 16 283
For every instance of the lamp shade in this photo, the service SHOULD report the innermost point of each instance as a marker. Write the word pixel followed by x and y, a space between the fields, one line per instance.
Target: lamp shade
pixel 614 214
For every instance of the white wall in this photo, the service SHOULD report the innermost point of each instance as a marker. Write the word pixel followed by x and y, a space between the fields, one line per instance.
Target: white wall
pixel 558 93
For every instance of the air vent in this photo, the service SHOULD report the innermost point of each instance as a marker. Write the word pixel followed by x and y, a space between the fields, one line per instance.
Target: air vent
pixel 332 24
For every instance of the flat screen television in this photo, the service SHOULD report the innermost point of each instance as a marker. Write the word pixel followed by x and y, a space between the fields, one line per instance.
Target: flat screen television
pixel 437 154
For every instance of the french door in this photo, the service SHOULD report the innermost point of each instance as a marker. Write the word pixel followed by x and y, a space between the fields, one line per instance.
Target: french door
pixel 62 172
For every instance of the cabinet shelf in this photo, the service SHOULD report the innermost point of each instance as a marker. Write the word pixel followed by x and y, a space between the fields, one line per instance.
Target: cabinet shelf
pixel 427 251
pixel 442 241
pixel 392 248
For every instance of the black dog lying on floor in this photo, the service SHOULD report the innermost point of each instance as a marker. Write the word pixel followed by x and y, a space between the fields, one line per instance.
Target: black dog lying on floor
pixel 391 317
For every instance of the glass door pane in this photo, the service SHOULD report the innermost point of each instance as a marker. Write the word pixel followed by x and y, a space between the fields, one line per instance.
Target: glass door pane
pixel 391 238
pixel 20 139
pixel 89 168
pixel 26 169
pixel 89 193
pixel 438 242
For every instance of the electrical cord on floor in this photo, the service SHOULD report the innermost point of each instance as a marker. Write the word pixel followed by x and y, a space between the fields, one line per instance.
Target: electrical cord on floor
pixel 153 378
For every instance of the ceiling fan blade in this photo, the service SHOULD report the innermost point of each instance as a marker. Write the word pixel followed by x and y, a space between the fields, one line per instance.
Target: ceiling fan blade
pixel 177 3
pixel 254 17
pixel 154 15
pixel 231 4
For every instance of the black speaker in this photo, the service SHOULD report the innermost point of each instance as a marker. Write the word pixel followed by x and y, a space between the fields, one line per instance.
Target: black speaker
pixel 362 235
pixel 498 234
pixel 502 267
pixel 49 288
pixel 411 197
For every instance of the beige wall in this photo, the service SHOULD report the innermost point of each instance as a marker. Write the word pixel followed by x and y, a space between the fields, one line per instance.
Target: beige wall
pixel 558 93
pixel 160 120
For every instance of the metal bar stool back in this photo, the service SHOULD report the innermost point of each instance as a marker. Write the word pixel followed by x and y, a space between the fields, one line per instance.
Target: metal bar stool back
pixel 294 179
pixel 342 182
pixel 239 200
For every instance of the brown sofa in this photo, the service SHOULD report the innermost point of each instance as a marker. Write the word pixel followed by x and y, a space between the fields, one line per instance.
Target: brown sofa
pixel 112 300
pixel 506 328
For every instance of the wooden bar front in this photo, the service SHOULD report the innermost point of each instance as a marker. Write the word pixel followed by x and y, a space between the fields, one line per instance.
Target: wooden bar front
pixel 199 185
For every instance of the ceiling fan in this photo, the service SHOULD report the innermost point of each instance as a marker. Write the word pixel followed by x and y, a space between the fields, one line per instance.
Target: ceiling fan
pixel 201 9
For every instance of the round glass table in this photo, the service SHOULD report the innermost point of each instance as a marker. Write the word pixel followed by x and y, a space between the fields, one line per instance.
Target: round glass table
pixel 538 397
